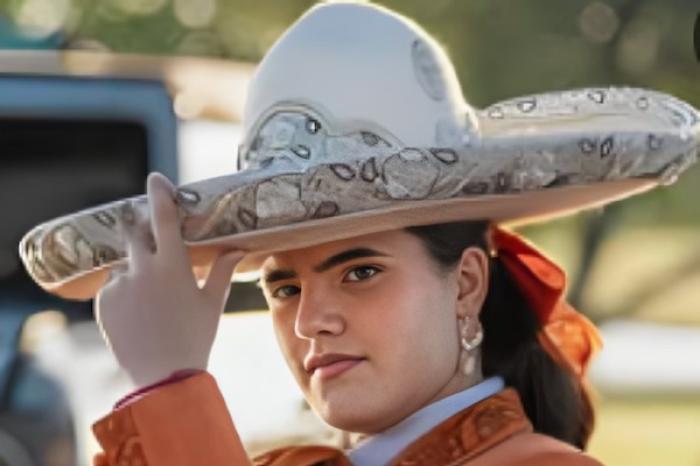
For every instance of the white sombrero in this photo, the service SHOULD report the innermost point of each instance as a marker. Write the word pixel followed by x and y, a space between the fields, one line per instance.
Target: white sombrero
pixel 355 123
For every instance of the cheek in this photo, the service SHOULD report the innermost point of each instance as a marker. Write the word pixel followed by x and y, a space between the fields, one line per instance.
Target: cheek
pixel 416 324
pixel 426 351
pixel 293 349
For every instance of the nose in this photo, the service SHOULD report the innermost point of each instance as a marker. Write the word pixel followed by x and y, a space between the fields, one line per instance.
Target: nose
pixel 319 313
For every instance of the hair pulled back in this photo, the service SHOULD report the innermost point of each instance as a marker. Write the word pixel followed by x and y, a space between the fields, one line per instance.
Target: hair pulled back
pixel 555 401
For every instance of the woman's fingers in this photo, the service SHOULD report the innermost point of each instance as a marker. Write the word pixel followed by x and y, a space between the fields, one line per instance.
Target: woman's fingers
pixel 135 229
pixel 164 217
pixel 219 279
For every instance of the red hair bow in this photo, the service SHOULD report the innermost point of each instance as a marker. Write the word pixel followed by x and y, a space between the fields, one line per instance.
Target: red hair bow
pixel 567 335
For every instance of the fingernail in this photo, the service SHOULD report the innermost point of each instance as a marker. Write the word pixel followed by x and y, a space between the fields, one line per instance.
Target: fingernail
pixel 161 180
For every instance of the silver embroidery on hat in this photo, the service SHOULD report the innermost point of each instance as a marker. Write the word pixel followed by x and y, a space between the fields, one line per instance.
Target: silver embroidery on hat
pixel 299 165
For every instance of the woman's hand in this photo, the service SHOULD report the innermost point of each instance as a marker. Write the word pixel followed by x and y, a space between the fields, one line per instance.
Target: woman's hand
pixel 154 315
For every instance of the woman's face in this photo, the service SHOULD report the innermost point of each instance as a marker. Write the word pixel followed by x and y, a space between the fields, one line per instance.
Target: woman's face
pixel 369 326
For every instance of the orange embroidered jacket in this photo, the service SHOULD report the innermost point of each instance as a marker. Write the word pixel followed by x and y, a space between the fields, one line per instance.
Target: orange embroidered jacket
pixel 187 424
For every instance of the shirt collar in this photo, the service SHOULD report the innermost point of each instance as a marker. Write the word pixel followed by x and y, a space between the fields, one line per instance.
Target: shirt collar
pixel 381 448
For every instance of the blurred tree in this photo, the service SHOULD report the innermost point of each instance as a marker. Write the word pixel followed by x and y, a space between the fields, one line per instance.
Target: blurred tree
pixel 501 49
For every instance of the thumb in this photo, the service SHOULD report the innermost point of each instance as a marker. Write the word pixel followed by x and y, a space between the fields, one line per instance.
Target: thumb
pixel 219 278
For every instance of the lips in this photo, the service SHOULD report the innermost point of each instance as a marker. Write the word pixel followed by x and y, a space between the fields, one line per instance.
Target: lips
pixel 330 364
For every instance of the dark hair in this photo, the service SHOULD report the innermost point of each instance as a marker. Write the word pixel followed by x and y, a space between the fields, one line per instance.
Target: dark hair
pixel 555 401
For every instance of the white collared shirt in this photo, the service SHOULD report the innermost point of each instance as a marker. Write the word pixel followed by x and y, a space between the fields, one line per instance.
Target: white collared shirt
pixel 378 450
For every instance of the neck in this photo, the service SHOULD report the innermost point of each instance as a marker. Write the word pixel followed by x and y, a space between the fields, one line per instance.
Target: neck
pixel 379 449
pixel 461 381
pixel 457 383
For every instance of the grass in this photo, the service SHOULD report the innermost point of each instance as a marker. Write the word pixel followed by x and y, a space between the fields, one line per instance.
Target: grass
pixel 648 431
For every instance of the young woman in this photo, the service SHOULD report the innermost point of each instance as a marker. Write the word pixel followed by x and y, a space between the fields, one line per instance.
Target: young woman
pixel 416 338
pixel 370 197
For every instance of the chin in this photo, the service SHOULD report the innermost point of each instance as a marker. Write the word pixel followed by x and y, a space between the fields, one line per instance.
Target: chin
pixel 354 420
pixel 354 412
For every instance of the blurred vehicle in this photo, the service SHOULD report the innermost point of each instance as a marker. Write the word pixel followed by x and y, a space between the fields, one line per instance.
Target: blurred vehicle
pixel 79 129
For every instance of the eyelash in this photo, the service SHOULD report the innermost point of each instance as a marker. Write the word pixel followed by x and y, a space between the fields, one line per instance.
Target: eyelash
pixel 276 292
pixel 363 267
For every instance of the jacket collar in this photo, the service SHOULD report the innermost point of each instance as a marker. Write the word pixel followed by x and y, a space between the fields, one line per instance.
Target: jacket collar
pixel 460 438
pixel 469 433
pixel 381 448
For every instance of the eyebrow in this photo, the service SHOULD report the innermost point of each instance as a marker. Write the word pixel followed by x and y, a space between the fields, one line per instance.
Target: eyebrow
pixel 278 275
pixel 337 259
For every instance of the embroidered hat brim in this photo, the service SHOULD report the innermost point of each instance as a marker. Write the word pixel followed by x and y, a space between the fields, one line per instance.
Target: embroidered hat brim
pixel 317 166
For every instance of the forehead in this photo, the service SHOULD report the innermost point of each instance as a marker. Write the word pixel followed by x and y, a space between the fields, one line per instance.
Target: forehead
pixel 391 243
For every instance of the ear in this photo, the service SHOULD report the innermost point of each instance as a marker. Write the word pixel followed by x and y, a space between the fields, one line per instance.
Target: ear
pixel 472 282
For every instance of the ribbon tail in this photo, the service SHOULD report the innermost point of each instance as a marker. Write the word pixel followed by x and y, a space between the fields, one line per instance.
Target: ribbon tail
pixel 567 335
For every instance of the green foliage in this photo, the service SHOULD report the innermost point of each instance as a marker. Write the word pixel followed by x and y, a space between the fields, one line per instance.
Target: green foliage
pixel 500 48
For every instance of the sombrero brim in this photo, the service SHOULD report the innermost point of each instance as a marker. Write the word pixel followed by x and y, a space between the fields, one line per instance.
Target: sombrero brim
pixel 501 208
pixel 525 160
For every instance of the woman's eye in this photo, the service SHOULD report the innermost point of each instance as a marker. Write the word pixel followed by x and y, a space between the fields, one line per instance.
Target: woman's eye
pixel 361 273
pixel 285 291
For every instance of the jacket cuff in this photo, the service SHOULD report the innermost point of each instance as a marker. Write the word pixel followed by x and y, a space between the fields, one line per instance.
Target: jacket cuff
pixel 172 378
pixel 177 424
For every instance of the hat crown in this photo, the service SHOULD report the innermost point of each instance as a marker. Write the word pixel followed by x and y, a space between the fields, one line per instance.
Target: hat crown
pixel 361 64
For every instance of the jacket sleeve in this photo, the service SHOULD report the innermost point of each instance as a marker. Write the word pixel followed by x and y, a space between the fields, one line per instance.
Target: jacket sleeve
pixel 181 424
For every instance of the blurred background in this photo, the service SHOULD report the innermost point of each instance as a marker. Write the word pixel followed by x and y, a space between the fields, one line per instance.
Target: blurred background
pixel 95 94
